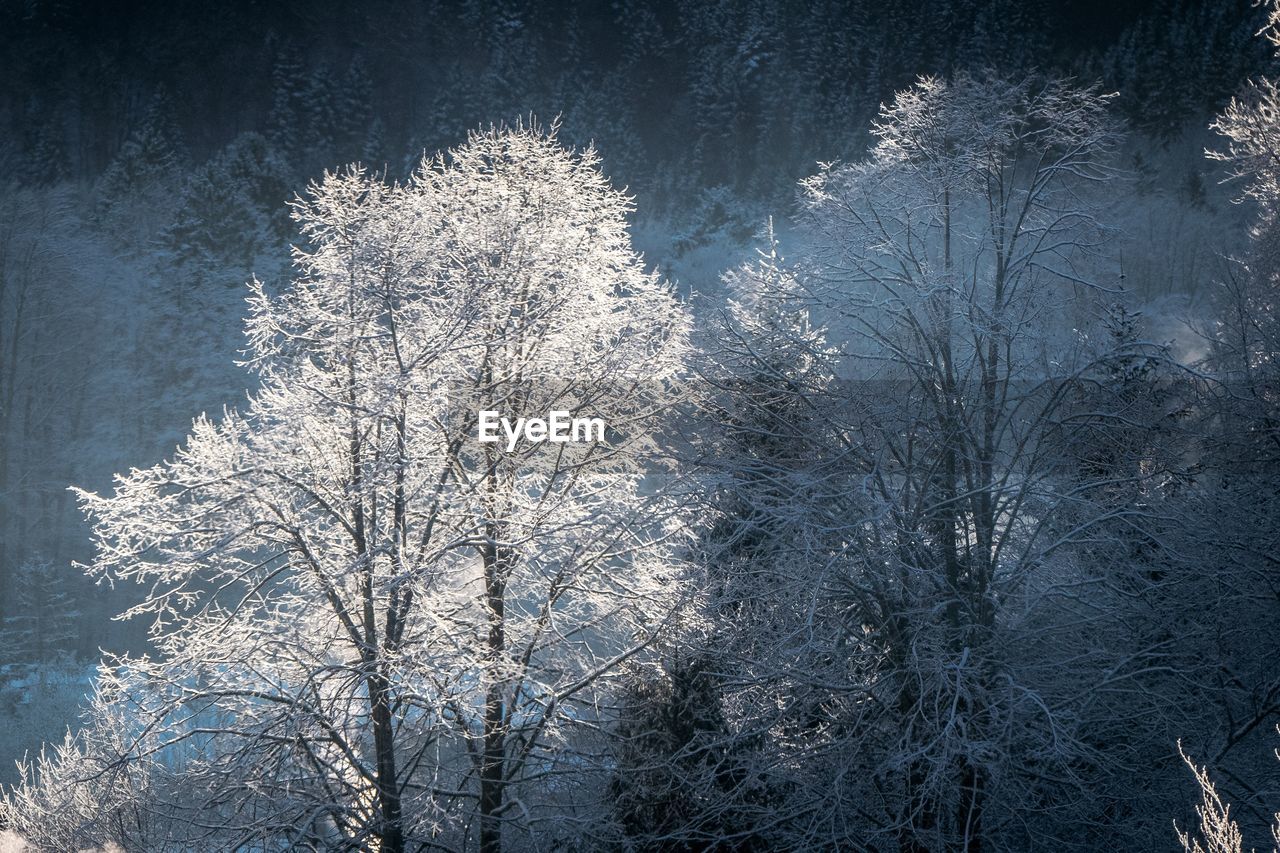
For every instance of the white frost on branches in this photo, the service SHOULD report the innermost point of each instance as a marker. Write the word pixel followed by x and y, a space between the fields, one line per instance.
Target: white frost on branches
pixel 371 629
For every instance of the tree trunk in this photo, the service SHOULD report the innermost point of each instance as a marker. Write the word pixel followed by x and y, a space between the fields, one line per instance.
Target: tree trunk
pixel 971 808
pixel 493 760
pixel 391 829
pixel 491 774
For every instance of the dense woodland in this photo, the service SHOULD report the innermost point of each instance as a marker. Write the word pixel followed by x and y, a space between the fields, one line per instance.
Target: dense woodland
pixel 940 502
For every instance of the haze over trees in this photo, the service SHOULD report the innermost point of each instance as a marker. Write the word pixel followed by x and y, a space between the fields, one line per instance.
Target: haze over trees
pixel 937 506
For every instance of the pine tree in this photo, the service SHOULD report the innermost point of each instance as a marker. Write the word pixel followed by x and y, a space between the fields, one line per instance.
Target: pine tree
pixel 48 161
pixel 287 124
pixel 354 120
pixel 229 211
pixel 770 380
pixel 43 627
pixel 773 479
pixel 322 132
pixel 136 193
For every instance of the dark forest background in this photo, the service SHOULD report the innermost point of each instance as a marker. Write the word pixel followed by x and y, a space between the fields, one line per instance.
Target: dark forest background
pixel 678 95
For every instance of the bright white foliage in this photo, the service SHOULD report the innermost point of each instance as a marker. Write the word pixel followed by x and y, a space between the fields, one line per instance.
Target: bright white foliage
pixel 346 548
pixel 1218 832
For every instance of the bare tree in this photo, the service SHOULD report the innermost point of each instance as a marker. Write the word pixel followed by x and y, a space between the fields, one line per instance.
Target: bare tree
pixel 928 698
pixel 1218 833
pixel 371 628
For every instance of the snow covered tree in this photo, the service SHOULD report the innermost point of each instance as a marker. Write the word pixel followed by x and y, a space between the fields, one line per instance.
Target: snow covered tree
pixel 712 737
pixel 939 260
pixel 679 776
pixel 770 374
pixel 287 123
pixel 229 212
pixel 76 795
pixel 47 162
pixel 1227 530
pixel 373 629
pixel 1248 334
pixel 136 192
pixel 39 419
pixel 358 131
pixel 43 624
pixel 1211 43
pixel 1218 831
